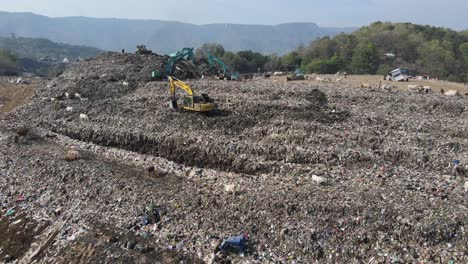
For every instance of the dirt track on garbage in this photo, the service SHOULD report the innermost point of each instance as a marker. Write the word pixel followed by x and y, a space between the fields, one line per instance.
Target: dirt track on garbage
pixel 310 171
pixel 12 96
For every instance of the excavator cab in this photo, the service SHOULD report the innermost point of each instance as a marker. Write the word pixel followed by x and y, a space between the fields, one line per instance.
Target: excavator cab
pixel 191 102
pixel 201 103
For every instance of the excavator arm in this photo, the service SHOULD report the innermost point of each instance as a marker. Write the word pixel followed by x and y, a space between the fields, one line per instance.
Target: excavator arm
pixel 226 73
pixel 185 53
pixel 176 83
pixel 191 102
pixel 213 60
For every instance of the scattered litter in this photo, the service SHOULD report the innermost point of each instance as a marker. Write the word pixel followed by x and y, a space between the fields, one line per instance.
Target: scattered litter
pixel 10 212
pixel 151 215
pixel 230 188
pixel 452 93
pixel 384 154
pixel 72 155
pixel 236 245
pixel 318 179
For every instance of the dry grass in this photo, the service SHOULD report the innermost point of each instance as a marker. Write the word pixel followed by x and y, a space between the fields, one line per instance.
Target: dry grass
pixel 356 80
pixel 12 96
pixel 436 86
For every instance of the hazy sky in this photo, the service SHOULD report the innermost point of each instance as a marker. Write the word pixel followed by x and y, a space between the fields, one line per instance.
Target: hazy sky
pixel 340 13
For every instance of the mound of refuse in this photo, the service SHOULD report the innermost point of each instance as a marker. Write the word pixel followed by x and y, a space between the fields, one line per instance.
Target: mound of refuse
pixel 114 74
pixel 299 172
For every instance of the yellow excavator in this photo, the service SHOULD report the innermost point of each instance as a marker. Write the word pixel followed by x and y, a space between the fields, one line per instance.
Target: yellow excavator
pixel 191 102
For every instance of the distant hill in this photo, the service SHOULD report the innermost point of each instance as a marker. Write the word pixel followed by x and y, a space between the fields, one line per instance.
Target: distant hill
pixel 162 36
pixel 43 49
pixel 40 56
pixel 383 46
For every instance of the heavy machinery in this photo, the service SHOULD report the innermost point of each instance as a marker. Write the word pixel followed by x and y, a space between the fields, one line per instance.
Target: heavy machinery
pixel 298 75
pixel 184 54
pixel 226 74
pixel 235 76
pixel 191 102
pixel 141 49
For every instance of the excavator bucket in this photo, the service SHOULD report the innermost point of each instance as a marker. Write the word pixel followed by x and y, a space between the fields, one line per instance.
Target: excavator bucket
pixel 173 104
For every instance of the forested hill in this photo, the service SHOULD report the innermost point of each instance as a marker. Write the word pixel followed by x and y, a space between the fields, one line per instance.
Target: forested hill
pixel 439 52
pixel 45 49
pixel 162 36
pixel 39 56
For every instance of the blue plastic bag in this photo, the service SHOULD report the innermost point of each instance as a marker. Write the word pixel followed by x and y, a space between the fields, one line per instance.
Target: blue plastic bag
pixel 235 244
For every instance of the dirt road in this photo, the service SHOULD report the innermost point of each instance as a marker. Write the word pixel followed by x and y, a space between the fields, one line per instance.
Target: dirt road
pixel 12 96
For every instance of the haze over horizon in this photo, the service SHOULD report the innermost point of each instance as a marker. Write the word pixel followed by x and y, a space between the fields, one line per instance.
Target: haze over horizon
pixel 330 13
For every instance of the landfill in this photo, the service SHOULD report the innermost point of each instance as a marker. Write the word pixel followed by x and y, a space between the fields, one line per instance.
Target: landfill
pixel 304 171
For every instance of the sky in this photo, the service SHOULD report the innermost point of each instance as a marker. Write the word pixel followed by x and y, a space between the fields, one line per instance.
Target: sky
pixel 328 13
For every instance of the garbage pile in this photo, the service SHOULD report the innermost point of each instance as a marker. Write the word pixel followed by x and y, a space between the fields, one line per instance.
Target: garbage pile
pixel 115 74
pixel 285 172
pixel 125 66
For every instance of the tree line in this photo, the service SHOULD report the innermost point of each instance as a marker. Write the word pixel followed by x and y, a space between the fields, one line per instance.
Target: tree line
pixel 40 56
pixel 7 60
pixel 374 49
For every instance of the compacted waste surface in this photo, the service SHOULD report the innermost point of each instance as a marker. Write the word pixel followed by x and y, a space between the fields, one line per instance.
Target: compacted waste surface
pixel 306 171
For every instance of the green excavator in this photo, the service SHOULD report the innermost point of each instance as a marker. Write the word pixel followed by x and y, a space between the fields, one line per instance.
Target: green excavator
pixel 226 74
pixel 184 54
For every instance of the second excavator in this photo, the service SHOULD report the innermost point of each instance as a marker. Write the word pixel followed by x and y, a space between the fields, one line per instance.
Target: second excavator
pixel 184 54
pixel 191 102
pixel 226 74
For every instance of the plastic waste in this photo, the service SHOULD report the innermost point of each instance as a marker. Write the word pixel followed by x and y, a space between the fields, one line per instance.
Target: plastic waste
pixel 235 244
pixel 10 212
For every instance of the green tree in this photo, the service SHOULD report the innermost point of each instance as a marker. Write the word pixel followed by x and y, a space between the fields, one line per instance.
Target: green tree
pixel 384 69
pixel 7 59
pixel 273 63
pixel 324 66
pixel 231 59
pixel 464 51
pixel 323 48
pixel 430 50
pixel 215 49
pixel 436 59
pixel 345 45
pixel 365 59
pixel 292 59
pixel 246 61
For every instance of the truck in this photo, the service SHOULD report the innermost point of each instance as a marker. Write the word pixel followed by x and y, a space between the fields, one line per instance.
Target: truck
pixel 398 75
